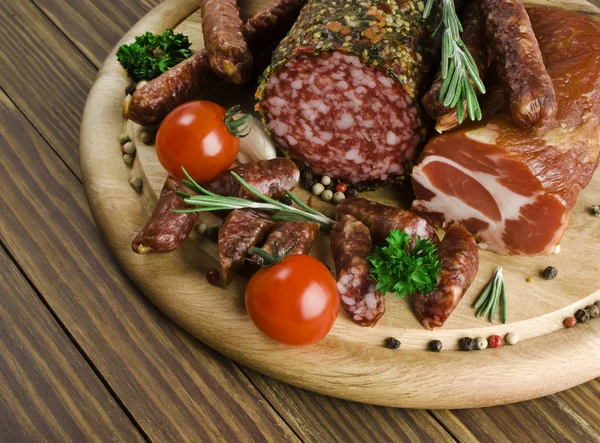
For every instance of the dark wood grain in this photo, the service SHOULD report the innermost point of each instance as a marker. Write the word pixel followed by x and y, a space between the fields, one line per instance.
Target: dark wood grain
pixel 47 390
pixel 173 386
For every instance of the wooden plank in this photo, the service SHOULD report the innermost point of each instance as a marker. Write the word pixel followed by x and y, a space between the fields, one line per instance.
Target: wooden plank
pixel 310 415
pixel 175 387
pixel 93 26
pixel 568 416
pixel 47 390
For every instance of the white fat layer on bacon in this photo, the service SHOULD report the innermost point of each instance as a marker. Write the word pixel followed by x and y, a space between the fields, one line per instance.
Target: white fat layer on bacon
pixel 454 209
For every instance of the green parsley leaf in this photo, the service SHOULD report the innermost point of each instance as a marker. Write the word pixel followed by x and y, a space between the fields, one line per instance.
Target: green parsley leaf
pixel 403 271
pixel 152 54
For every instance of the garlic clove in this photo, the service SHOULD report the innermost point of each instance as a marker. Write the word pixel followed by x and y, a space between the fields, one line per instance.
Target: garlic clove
pixel 257 145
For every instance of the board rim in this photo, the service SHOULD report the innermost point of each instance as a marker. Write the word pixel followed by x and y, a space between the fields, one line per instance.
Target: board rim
pixel 352 371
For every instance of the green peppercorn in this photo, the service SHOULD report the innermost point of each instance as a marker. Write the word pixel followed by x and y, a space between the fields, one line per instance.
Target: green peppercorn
pixel 582 316
pixel 286 200
pixel 468 344
pixel 593 310
pixel 550 272
pixel 392 343
pixel 213 234
pixel 596 210
pixel 124 138
pixel 435 346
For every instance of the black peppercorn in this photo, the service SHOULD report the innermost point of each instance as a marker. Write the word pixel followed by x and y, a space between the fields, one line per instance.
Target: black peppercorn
pixel 435 346
pixel 351 192
pixel 307 179
pixel 286 200
pixel 550 272
pixel 330 187
pixel 468 344
pixel 130 89
pixel 392 343
pixel 582 316
pixel 213 234
pixel 213 276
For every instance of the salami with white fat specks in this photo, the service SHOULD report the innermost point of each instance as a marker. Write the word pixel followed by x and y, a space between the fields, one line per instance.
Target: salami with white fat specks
pixel 382 219
pixel 241 229
pixel 350 246
pixel 341 95
pixel 460 263
pixel 166 230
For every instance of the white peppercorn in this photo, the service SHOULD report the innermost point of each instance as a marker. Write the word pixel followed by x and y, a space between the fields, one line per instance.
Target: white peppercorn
pixel 128 159
pixel 129 148
pixel 201 228
pixel 318 189
pixel 326 180
pixel 338 197
pixel 512 338
pixel 145 137
pixel 481 342
pixel 327 195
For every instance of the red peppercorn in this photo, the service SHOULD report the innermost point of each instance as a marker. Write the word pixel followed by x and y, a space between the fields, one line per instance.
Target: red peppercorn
pixel 213 276
pixel 341 187
pixel 495 341
pixel 570 322
pixel 122 149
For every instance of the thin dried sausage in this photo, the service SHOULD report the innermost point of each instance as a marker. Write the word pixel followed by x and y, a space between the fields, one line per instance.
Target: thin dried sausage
pixel 166 230
pixel 382 219
pixel 460 263
pixel 350 245
pixel 527 86
pixel 293 237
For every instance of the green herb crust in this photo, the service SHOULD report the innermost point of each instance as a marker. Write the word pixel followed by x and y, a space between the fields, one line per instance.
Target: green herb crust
pixel 402 270
pixel 152 54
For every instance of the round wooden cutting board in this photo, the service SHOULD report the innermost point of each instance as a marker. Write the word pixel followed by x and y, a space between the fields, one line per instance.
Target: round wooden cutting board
pixel 351 362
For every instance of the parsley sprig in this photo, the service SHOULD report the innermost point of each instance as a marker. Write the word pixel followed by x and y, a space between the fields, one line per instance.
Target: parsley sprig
pixel 402 270
pixel 457 65
pixel 152 54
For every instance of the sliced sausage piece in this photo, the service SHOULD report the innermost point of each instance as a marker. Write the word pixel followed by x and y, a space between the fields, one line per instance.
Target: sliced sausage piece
pixel 189 79
pixel 350 246
pixel 293 236
pixel 166 230
pixel 473 36
pixel 271 177
pixel 527 86
pixel 228 52
pixel 382 219
pixel 460 263
pixel 241 229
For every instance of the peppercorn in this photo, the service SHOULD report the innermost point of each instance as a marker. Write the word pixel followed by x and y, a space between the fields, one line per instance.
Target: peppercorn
pixel 468 344
pixel 593 310
pixel 352 193
pixel 129 148
pixel 213 234
pixel 130 89
pixel 128 159
pixel 481 343
pixel 213 276
pixel 326 195
pixel 201 228
pixel 435 346
pixel 582 316
pixel 596 210
pixel 317 189
pixel 341 187
pixel 512 338
pixel 286 200
pixel 570 322
pixel 529 279
pixel 495 341
pixel 137 184
pixel 145 137
pixel 124 138
pixel 330 187
pixel 392 343
pixel 307 179
pixel 338 197
pixel 550 272
pixel 325 180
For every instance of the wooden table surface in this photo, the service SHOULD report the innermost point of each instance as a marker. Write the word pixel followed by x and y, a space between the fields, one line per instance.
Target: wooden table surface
pixel 84 356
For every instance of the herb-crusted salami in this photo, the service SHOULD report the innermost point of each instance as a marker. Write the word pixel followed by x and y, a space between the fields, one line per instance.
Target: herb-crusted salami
pixel 341 95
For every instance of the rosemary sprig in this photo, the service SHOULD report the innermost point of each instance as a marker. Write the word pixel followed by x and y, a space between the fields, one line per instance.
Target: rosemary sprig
pixel 209 201
pixel 493 294
pixel 457 65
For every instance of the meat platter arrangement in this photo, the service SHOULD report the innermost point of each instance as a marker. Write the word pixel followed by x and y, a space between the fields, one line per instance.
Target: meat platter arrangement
pixel 341 174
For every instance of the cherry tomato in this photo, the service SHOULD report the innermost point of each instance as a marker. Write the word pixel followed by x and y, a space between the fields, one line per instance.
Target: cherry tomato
pixel 194 136
pixel 295 301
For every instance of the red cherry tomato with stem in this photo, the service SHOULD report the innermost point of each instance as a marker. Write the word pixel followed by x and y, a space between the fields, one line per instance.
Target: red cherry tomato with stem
pixel 294 302
pixel 195 136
